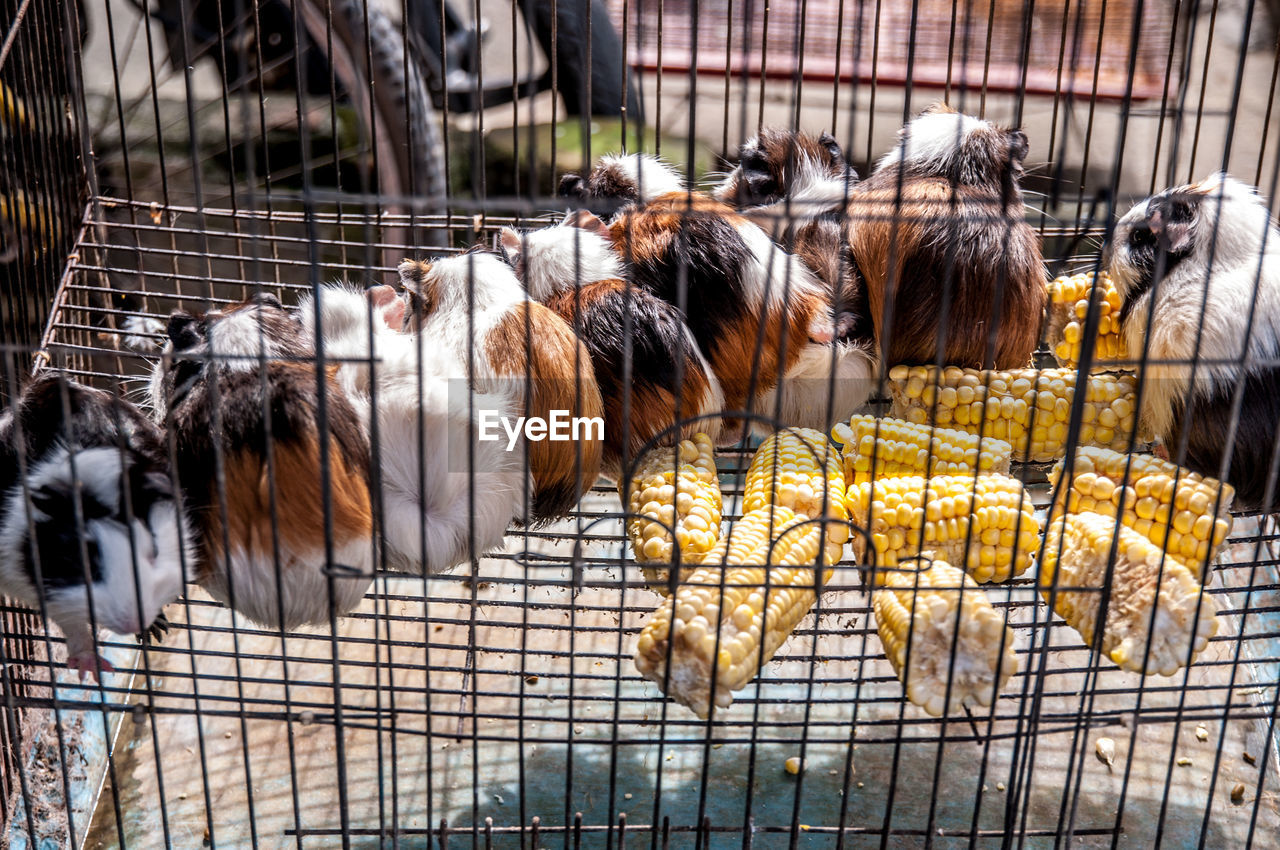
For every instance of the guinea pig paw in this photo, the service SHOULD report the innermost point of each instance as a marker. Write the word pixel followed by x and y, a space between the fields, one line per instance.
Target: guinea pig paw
pixel 90 664
pixel 155 632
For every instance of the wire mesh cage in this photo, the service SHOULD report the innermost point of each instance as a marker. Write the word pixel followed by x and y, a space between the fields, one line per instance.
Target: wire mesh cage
pixel 932 498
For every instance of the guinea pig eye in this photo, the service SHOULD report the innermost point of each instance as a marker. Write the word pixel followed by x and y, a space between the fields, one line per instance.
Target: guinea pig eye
pixel 1142 237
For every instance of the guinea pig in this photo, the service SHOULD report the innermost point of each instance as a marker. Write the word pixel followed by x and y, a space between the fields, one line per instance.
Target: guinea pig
pixel 619 180
pixel 1198 272
pixel 938 235
pixel 440 505
pixel 796 187
pixel 243 407
pixel 89 522
pixel 763 320
pixel 647 364
pixel 474 306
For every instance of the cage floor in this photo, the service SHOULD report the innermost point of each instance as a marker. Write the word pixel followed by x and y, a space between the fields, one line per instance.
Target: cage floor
pixel 480 710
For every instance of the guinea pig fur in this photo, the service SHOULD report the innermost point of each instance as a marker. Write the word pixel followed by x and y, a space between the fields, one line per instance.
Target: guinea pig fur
pixel 619 180
pixel 474 305
pixel 796 187
pixel 89 521
pixel 646 361
pixel 433 507
pixel 1198 271
pixel 938 235
pixel 243 409
pixel 761 318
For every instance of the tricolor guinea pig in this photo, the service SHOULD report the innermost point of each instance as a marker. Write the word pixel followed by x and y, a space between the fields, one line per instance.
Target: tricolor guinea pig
pixel 796 187
pixel 1198 271
pixel 446 495
pixel 474 306
pixel 647 364
pixel 938 235
pixel 89 521
pixel 764 322
pixel 243 406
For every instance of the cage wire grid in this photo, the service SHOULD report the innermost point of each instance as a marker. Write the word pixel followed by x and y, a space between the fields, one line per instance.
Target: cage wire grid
pixel 503 708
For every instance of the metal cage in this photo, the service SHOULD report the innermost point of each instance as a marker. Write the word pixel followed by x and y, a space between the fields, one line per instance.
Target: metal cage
pixel 162 155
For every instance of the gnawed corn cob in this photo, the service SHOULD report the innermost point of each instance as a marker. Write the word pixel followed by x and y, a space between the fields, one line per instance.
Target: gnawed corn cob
pixel 1069 306
pixel 1028 407
pixel 796 468
pixel 897 447
pixel 756 597
pixel 674 487
pixel 1077 550
pixel 1172 507
pixel 940 621
pixel 985 522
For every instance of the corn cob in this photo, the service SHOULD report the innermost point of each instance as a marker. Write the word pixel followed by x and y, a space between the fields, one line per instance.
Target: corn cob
pixel 1069 306
pixel 796 468
pixel 985 522
pixel 1172 507
pixel 886 448
pixel 1028 407
pixel 674 487
pixel 754 598
pixel 1077 551
pixel 951 628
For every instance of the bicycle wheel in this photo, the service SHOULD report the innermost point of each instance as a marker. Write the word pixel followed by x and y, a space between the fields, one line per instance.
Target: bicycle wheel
pixel 368 57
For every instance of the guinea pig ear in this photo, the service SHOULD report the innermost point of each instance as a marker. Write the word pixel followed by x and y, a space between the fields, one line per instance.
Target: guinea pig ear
pixel 1019 147
pixel 413 274
pixel 266 299
pixel 829 142
pixel 572 186
pixel 588 221
pixel 1172 219
pixel 510 243
pixel 183 330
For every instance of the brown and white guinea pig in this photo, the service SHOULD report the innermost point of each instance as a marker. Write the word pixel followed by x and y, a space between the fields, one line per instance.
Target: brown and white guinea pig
pixel 474 306
pixel 796 187
pixel 89 520
pixel 1198 271
pixel 446 495
pixel 243 409
pixel 619 180
pixel 647 364
pixel 938 235
pixel 763 320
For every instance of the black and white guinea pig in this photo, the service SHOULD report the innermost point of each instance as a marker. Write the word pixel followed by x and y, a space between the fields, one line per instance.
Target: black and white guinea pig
pixel 447 496
pixel 796 187
pixel 1198 271
pixel 102 538
pixel 939 235
pixel 619 180
pixel 645 358
pixel 243 407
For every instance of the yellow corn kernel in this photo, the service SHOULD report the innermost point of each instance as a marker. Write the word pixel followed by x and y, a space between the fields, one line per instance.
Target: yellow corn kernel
pixel 1027 407
pixel 796 468
pixel 1183 512
pixel 937 626
pixel 674 488
pixel 1073 575
pixel 732 614
pixel 1069 298
pixel 885 448
pixel 985 522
